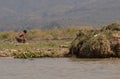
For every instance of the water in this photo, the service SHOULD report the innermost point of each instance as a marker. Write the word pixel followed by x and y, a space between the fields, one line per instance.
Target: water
pixel 59 68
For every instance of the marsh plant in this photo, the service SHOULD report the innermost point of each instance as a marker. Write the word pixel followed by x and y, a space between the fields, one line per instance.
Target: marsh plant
pixel 101 43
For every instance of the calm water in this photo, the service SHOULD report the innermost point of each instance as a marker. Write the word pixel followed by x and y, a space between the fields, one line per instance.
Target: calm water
pixel 59 68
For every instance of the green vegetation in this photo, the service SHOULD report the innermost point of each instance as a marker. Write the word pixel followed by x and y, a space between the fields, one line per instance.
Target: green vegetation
pixel 101 43
pixel 40 43
pixel 37 49
pixel 58 42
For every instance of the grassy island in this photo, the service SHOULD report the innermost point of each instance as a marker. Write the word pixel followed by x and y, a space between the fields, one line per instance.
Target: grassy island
pixel 82 42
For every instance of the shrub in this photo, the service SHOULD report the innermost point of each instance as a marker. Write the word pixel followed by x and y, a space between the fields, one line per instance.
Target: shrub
pixel 101 44
pixel 97 46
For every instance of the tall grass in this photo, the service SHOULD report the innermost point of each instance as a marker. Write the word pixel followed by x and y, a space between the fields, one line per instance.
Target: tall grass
pixel 41 42
pixel 44 34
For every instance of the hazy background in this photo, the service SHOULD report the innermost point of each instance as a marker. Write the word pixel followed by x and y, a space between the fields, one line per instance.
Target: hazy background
pixel 29 14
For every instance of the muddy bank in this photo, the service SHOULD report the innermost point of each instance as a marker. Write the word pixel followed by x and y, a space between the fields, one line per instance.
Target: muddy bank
pixel 34 52
pixel 35 49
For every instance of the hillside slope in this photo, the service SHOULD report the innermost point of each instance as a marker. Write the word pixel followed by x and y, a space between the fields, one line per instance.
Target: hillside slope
pixel 20 14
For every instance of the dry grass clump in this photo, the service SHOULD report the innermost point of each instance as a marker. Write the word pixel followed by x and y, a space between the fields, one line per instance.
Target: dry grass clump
pixel 113 26
pixel 100 44
pixel 97 46
pixel 115 43
pixel 7 35
pixel 81 38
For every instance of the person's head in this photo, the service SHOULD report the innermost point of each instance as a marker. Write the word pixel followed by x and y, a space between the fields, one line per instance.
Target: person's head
pixel 25 31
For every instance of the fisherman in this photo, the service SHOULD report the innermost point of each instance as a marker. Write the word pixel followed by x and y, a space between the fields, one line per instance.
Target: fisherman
pixel 21 37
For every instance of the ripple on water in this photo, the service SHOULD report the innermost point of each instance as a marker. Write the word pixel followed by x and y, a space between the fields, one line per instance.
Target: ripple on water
pixel 59 68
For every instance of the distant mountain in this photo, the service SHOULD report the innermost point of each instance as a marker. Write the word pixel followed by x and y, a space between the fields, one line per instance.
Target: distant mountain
pixel 28 14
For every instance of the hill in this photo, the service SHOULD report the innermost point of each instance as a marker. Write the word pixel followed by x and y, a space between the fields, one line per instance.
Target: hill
pixel 28 14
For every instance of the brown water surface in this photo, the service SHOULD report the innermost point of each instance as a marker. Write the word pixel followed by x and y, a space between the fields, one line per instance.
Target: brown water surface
pixel 59 68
